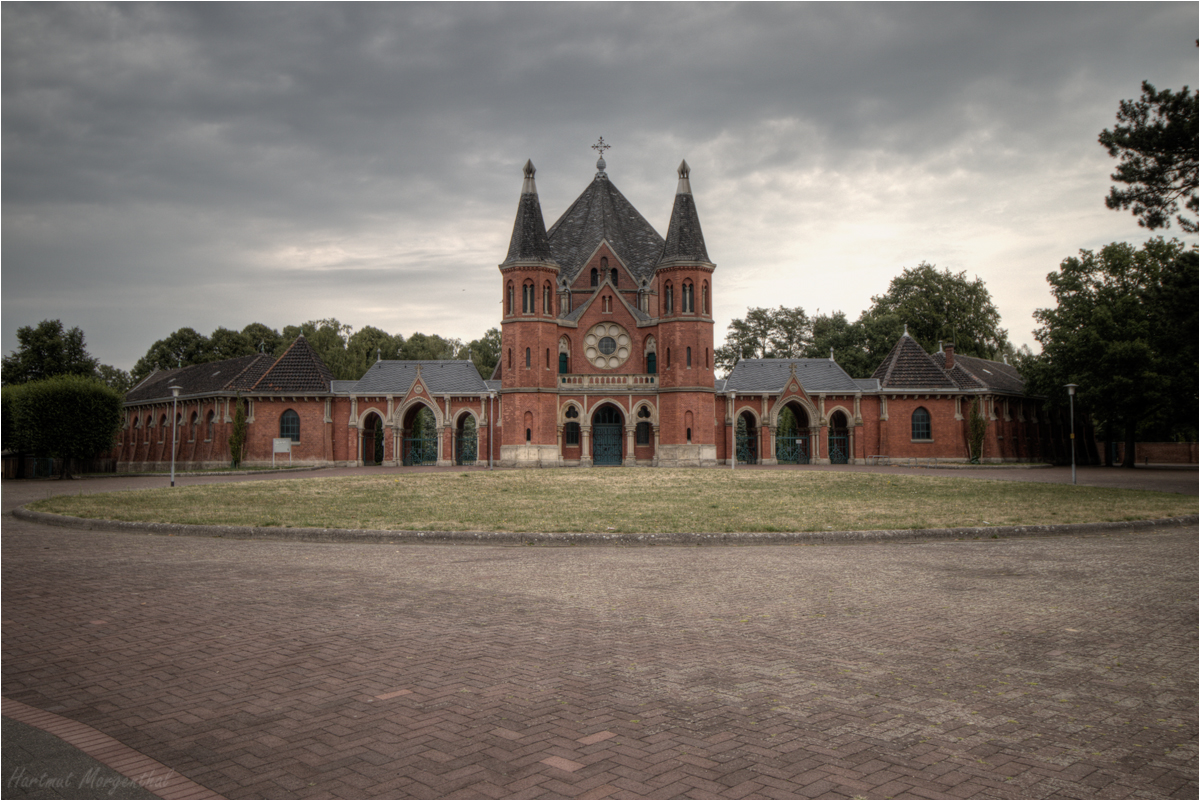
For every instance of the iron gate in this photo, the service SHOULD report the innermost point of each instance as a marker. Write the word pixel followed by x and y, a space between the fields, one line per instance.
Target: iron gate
pixel 747 448
pixel 606 444
pixel 466 449
pixel 420 450
pixel 839 447
pixel 792 449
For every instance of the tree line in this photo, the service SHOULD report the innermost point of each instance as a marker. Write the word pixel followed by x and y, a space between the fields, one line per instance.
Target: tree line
pixel 347 353
pixel 933 305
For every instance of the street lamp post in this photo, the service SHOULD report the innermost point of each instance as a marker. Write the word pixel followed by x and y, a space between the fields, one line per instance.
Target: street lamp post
pixel 491 425
pixel 733 430
pixel 1071 391
pixel 174 426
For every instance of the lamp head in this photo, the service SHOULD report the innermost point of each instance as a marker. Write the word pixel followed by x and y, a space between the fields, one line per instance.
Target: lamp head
pixel 1071 389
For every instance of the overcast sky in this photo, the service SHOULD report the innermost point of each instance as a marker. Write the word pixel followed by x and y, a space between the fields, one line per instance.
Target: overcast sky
pixel 217 165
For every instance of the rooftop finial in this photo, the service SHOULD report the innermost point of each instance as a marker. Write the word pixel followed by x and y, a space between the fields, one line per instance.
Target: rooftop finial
pixel 685 186
pixel 529 187
pixel 906 329
pixel 600 147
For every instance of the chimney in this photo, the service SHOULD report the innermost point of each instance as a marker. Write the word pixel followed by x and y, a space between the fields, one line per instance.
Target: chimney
pixel 949 349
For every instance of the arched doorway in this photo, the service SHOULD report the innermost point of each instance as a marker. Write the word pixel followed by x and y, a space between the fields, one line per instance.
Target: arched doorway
pixel 466 440
pixel 747 439
pixel 420 441
pixel 372 439
pixel 791 436
pixel 608 425
pixel 839 439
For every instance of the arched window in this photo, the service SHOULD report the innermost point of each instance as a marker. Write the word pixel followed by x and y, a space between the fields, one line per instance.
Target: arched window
pixel 571 434
pixel 289 426
pixel 689 298
pixel 546 299
pixel 595 277
pixel 704 298
pixel 604 262
pixel 651 363
pixel 210 426
pixel 643 433
pixel 194 427
pixel 527 298
pixel 922 424
pixel 564 364
pixel 614 276
pixel 510 297
pixel 528 358
pixel 689 357
pixel 668 303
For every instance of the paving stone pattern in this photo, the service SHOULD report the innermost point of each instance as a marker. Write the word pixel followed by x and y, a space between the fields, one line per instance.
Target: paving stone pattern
pixel 1038 668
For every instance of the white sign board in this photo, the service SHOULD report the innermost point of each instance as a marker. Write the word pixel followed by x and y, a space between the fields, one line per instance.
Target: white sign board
pixel 282 445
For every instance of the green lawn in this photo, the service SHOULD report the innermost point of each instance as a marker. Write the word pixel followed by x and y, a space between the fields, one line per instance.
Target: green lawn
pixel 628 500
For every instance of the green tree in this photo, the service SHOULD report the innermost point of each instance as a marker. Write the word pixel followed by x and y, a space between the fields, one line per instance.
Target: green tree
pixel 431 346
pixel 115 378
pixel 182 348
pixel 368 344
pixel 1156 142
pixel 485 352
pixel 782 333
pixel 263 338
pixel 1112 334
pixel 47 350
pixel 237 436
pixel 858 347
pixel 67 417
pixel 941 306
pixel 225 343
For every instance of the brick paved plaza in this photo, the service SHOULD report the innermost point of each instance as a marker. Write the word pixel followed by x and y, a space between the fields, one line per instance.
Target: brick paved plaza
pixel 1016 668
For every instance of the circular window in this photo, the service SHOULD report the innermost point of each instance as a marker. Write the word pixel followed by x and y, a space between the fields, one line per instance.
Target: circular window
pixel 607 346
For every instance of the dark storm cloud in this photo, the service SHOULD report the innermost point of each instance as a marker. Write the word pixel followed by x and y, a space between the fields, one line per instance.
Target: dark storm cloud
pixel 281 162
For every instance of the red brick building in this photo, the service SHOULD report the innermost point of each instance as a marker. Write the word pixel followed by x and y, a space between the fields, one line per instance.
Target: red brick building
pixel 606 359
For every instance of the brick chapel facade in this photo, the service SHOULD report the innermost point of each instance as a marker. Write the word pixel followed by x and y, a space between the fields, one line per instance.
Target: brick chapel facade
pixel 607 358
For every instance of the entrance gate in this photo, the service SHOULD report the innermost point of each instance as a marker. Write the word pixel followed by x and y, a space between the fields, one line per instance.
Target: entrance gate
pixel 792 449
pixel 606 437
pixel 420 450
pixel 839 447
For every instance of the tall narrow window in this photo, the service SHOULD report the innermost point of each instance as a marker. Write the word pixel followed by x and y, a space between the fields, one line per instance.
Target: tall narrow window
pixel 211 426
pixel 510 297
pixel 546 299
pixel 689 298
pixel 289 426
pixel 563 364
pixel 528 358
pixel 689 357
pixel 643 433
pixel 547 358
pixel 651 363
pixel 595 277
pixel 571 434
pixel 527 299
pixel 614 276
pixel 922 427
pixel 668 357
pixel 668 301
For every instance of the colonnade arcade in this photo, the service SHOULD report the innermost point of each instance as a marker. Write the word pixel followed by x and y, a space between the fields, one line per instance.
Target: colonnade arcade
pixel 420 433
pixel 604 434
pixel 794 432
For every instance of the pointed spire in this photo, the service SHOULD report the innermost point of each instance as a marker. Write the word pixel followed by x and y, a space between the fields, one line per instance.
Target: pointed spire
pixel 529 242
pixel 685 240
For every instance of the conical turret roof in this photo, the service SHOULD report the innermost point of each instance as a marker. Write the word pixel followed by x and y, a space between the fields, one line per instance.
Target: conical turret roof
pixel 685 240
pixel 529 242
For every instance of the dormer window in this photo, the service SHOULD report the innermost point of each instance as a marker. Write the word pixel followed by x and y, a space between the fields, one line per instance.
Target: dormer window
pixel 614 276
pixel 595 277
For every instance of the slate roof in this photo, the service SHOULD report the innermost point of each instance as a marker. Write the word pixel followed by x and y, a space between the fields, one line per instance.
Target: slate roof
pixel 228 375
pixel 603 213
pixel 771 375
pixel 528 242
pixel 908 366
pixel 685 240
pixel 971 372
pixel 299 370
pixel 441 376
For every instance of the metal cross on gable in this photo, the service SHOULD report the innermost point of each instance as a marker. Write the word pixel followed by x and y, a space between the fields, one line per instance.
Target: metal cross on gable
pixel 600 147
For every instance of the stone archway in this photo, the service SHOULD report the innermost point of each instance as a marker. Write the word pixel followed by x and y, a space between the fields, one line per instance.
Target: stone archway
pixel 371 446
pixel 419 443
pixel 466 440
pixel 839 438
pixel 792 435
pixel 608 435
pixel 747 439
